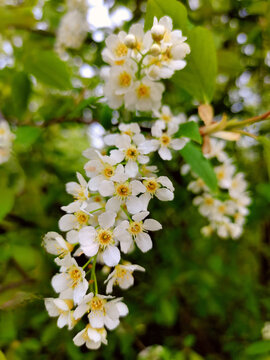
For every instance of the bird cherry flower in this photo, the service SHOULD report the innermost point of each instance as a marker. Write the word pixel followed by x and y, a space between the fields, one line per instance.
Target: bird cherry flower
pixel 91 337
pixel 122 276
pixel 63 309
pixel 166 119
pixel 161 187
pixel 55 244
pixel 101 311
pixel 137 230
pixel 71 279
pixel 102 239
pixel 164 141
pixel 116 51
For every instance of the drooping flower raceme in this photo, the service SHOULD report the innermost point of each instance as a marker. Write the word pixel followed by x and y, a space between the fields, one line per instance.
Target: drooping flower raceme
pixel 226 212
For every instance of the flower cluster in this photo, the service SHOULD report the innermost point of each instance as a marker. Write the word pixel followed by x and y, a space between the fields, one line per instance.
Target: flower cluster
pixel 226 210
pixel 73 27
pixel 138 60
pixel 6 138
pixel 108 217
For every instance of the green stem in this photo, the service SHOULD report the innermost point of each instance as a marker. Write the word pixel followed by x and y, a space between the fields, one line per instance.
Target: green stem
pixel 91 212
pixel 125 211
pixel 87 263
pixel 93 274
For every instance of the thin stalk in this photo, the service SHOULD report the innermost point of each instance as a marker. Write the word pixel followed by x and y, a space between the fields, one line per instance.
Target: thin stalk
pixel 125 211
pixel 93 274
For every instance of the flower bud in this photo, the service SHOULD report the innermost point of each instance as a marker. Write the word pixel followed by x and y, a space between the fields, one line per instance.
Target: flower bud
pixel 157 32
pixel 155 50
pixel 130 41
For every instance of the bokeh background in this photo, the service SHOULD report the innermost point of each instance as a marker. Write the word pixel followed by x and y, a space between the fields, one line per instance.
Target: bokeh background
pixel 200 298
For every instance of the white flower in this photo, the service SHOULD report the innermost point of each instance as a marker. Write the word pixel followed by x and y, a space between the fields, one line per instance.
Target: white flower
pixel 6 138
pixel 161 187
pixel 144 95
pixel 137 230
pixel 163 142
pixel 167 119
pixel 62 308
pixel 55 244
pixel 73 221
pixel 266 331
pixel 238 186
pixel 80 193
pixel 143 40
pixel 130 150
pixel 227 228
pixel 224 174
pixel 116 51
pixel 101 311
pixel 119 82
pixel 104 168
pixel 71 280
pixel 216 150
pixel 102 239
pixel 123 193
pixel 197 186
pixel 130 129
pixel 72 30
pixel 206 204
pixel 91 337
pixel 122 276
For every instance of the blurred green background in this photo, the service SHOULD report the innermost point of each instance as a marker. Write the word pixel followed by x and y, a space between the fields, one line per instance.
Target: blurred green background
pixel 200 298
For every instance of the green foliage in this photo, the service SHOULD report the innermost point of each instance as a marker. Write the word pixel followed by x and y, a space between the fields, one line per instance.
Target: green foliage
pixel 190 130
pixel 48 68
pixel 199 76
pixel 200 165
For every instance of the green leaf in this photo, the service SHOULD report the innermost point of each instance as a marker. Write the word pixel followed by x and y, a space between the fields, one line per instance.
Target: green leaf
pixel 7 198
pixel 27 135
pixel 105 116
pixel 16 16
pixel 20 92
pixel 172 8
pixel 265 141
pixel 48 68
pixel 199 76
pixel 190 130
pixel 229 63
pixel 259 347
pixel 200 165
pixel 2 356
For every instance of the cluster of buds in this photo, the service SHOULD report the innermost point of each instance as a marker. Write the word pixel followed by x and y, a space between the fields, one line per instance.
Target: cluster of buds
pixel 138 60
pixel 73 26
pixel 226 210
pixel 109 217
pixel 6 138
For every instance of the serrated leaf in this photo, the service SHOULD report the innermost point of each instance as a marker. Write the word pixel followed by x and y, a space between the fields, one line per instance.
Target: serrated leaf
pixel 200 165
pixel 259 347
pixel 48 68
pixel 190 130
pixel 198 78
pixel 172 8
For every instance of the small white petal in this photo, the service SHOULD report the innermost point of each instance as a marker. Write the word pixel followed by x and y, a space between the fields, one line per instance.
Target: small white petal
pixel 144 242
pixel 165 153
pixel 152 225
pixel 111 255
pixel 164 194
pixel 106 188
pixel 107 219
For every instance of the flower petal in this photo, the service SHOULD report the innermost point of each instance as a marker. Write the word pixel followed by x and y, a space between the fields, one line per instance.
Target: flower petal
pixel 111 255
